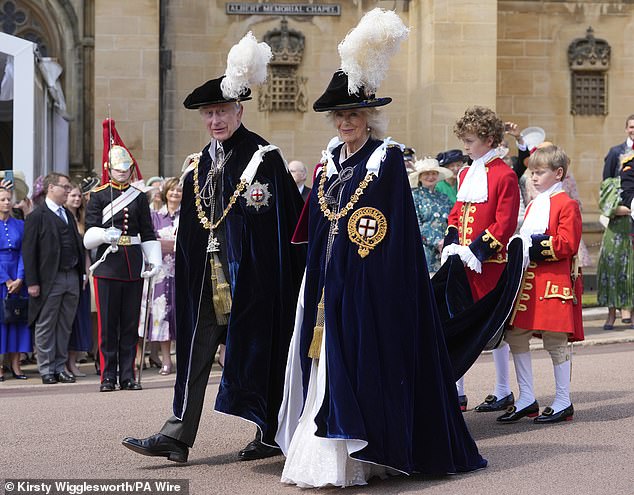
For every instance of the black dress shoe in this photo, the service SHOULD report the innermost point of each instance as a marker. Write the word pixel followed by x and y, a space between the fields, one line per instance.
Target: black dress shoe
pixel 550 416
pixel 159 445
pixel 462 402
pixel 20 376
pixel 2 378
pixel 64 377
pixel 49 379
pixel 491 403
pixel 512 414
pixel 130 385
pixel 257 450
pixel 108 385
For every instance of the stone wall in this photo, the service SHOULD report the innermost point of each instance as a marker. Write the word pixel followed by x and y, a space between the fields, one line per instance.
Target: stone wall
pixel 127 77
pixel 534 79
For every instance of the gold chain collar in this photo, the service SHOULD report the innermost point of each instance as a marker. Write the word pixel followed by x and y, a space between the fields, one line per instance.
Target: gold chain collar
pixel 202 218
pixel 329 214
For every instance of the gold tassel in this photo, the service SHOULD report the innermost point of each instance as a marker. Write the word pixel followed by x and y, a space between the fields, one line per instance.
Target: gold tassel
pixel 221 292
pixel 318 333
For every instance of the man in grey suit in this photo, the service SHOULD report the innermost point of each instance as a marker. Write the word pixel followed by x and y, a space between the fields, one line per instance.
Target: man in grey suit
pixel 298 171
pixel 53 268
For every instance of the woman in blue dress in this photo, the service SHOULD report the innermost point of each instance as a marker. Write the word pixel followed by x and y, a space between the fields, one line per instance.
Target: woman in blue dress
pixel 14 338
pixel 432 207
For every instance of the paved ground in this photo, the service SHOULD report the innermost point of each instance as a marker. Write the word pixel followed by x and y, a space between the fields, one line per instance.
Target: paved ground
pixel 72 431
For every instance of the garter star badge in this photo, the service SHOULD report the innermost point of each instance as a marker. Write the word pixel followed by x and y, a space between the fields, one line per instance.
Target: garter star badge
pixel 367 228
pixel 257 195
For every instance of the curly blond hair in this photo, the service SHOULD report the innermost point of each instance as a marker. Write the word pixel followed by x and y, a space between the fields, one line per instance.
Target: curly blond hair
pixel 481 121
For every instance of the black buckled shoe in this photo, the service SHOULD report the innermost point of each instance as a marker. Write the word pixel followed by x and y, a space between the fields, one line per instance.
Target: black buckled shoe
pixel 64 377
pixel 462 402
pixel 257 450
pixel 512 414
pixel 492 403
pixel 550 416
pixel 130 385
pixel 158 446
pixel 108 385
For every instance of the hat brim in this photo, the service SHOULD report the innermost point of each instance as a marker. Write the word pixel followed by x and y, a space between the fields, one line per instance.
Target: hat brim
pixel 376 102
pixel 443 174
pixel 197 105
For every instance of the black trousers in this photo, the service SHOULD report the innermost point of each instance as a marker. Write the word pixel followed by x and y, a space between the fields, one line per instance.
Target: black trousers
pixel 118 309
pixel 208 336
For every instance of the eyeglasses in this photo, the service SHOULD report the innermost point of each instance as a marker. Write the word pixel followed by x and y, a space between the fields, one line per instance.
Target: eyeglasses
pixel 66 187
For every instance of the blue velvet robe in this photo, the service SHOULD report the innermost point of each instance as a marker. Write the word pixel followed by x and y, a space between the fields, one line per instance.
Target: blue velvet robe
pixel 264 270
pixel 389 378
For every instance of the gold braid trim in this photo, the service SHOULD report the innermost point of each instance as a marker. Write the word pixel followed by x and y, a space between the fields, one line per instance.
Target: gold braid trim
pixel 204 221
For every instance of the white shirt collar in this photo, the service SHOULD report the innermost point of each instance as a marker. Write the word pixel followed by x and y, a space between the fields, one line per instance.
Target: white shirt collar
pixel 52 205
pixel 629 142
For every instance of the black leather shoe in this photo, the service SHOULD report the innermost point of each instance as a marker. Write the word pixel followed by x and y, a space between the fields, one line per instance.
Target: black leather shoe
pixel 512 414
pixel 462 402
pixel 49 379
pixel 550 416
pixel 257 450
pixel 20 376
pixel 130 385
pixel 491 403
pixel 108 385
pixel 160 446
pixel 64 377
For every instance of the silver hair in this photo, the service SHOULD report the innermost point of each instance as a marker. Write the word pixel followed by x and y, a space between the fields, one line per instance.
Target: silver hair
pixel 376 119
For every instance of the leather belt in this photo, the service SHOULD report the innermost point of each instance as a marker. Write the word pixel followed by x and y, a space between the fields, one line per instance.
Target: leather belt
pixel 129 240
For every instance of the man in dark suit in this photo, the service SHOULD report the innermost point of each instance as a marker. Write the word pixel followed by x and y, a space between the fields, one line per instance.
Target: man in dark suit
pixel 298 171
pixel 53 268
pixel 612 163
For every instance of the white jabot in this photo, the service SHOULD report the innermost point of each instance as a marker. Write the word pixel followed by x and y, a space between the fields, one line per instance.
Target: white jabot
pixel 536 220
pixel 474 188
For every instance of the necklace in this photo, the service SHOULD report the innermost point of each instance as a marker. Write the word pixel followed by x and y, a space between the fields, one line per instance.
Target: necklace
pixel 323 205
pixel 202 218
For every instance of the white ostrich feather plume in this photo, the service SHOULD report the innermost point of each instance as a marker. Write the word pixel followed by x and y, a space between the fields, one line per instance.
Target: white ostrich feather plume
pixel 246 66
pixel 366 50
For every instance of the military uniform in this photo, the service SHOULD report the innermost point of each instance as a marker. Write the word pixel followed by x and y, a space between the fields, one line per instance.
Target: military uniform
pixel 118 283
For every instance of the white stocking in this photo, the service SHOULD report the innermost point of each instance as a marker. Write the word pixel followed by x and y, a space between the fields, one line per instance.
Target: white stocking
pixel 501 360
pixel 460 385
pixel 562 387
pixel 524 372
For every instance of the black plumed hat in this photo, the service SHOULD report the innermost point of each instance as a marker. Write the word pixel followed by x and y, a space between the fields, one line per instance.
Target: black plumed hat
pixel 337 97
pixel 210 93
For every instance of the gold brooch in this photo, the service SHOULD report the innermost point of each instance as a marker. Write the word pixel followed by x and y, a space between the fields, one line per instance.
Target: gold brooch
pixel 367 228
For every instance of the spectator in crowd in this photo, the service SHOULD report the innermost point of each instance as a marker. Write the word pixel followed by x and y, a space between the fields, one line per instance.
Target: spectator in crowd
pixel 481 223
pixel 298 171
pixel 551 293
pixel 81 335
pixel 409 158
pixel 155 194
pixel 53 269
pixel 237 273
pixel 612 161
pixel 432 207
pixel 615 268
pixel 162 320
pixel 452 160
pixel 39 192
pixel 15 338
pixel 119 226
pixel 21 202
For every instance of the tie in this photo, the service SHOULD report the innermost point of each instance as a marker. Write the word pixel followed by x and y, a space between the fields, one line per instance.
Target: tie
pixel 60 214
pixel 220 155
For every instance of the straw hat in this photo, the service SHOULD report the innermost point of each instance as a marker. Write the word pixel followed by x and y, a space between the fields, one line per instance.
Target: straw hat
pixel 427 165
pixel 19 184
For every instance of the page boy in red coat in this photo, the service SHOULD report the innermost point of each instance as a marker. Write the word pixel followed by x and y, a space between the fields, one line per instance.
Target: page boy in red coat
pixel 549 303
pixel 481 224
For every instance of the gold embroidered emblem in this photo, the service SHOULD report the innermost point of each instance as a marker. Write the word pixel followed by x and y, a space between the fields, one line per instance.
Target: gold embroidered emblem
pixel 367 228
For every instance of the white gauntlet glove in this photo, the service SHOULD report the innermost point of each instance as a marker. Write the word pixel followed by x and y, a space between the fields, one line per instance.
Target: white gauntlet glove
pixel 152 252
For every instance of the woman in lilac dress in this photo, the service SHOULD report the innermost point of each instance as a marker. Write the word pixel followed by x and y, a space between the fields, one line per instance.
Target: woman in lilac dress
pixel 14 338
pixel 162 324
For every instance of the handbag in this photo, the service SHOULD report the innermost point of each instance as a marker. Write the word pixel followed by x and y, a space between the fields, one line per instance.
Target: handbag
pixel 15 310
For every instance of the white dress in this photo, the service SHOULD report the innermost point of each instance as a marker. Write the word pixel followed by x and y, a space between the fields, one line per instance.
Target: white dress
pixel 313 461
